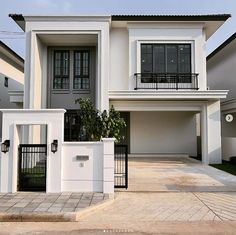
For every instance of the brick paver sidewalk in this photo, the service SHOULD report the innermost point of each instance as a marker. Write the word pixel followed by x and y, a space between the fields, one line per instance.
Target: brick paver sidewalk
pixel 24 202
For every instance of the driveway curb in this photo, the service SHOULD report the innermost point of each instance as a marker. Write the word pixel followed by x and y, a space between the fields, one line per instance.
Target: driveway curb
pixel 52 216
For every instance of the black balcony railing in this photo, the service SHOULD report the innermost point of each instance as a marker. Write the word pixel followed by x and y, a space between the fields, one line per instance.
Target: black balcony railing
pixel 170 81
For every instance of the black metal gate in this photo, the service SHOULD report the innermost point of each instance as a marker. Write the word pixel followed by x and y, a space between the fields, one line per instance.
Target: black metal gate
pixel 32 167
pixel 121 166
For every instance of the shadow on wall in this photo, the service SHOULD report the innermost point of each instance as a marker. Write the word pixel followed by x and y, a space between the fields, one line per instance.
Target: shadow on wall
pixel 215 116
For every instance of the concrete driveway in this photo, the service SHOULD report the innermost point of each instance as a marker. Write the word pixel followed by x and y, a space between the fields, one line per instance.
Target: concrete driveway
pixel 176 175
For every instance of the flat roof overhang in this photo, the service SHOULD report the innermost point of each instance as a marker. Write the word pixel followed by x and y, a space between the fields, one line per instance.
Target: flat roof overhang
pixel 211 22
pixel 168 95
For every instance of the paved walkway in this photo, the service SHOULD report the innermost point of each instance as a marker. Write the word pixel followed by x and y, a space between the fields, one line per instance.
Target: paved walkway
pixel 176 175
pixel 58 204
pixel 159 207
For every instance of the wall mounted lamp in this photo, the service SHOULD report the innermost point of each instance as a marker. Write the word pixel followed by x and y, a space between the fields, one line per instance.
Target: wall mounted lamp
pixel 54 146
pixel 6 82
pixel 5 146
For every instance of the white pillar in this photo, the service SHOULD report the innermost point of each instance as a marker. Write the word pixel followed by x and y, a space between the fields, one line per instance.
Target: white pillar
pixel 211 132
pixel 108 165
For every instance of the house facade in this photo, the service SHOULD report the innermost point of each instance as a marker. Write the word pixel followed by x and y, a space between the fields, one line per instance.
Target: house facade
pixel 151 68
pixel 11 80
pixel 221 73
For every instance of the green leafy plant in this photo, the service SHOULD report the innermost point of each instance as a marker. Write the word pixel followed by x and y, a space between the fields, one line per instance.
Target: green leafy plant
pixel 112 124
pixel 96 124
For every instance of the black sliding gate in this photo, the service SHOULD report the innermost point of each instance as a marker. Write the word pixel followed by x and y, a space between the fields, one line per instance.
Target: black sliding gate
pixel 32 167
pixel 121 166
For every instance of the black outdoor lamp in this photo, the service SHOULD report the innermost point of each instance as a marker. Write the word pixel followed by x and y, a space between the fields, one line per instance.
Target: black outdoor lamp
pixel 5 146
pixel 6 82
pixel 54 146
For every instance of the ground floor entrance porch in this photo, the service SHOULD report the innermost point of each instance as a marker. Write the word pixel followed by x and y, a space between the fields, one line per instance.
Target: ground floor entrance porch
pixel 166 174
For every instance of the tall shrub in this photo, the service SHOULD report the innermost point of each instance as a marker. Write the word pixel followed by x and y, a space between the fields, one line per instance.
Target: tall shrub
pixel 96 125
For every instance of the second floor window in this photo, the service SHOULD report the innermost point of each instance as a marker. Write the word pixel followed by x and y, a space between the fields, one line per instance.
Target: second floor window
pixel 61 70
pixel 71 67
pixel 166 58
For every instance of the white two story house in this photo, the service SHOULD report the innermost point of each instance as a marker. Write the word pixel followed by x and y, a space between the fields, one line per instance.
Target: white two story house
pixel 152 68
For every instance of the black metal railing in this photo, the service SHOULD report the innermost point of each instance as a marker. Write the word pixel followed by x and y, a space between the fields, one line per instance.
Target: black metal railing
pixel 121 166
pixel 32 167
pixel 170 81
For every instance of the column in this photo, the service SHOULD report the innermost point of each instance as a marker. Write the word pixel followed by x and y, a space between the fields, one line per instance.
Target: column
pixel 108 165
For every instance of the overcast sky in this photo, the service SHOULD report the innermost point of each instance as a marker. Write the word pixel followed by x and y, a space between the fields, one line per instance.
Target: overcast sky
pixel 108 7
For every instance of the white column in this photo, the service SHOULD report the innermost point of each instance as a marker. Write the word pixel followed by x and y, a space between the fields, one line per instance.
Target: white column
pixel 211 132
pixel 108 165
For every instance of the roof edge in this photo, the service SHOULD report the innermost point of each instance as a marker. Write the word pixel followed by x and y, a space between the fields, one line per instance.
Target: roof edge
pixel 19 19
pixel 2 44
pixel 221 46
pixel 213 17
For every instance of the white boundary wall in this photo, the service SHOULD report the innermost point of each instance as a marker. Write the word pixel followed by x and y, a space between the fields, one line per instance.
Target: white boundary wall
pixel 64 172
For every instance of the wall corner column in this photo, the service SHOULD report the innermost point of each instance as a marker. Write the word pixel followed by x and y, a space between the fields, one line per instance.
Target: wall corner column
pixel 108 165
pixel 211 133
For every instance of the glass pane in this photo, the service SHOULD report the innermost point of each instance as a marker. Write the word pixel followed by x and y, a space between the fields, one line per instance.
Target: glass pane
pixel 159 58
pixel 65 62
pixel 171 58
pixel 85 64
pixel 61 70
pixel 77 64
pixel 184 58
pixel 146 58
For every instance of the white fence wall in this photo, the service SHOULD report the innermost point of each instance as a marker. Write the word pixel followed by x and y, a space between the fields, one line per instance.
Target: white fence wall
pixel 82 175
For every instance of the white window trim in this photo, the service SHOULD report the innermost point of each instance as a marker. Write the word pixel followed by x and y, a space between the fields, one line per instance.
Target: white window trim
pixel 138 50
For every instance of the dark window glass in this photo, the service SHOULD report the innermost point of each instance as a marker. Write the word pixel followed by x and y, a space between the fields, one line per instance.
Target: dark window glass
pixel 81 70
pixel 61 70
pixel 166 59
pixel 159 59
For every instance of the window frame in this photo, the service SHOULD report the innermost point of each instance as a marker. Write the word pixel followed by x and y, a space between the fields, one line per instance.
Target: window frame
pixel 54 68
pixel 138 51
pixel 165 45
pixel 81 69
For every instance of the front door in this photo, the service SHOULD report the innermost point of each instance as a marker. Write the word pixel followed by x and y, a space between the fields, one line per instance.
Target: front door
pixel 32 167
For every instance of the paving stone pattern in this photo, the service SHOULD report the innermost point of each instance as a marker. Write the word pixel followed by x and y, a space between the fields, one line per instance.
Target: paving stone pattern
pixel 175 207
pixel 53 202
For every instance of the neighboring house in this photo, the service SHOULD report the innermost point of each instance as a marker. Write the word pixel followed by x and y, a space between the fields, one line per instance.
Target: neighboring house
pixel 11 80
pixel 152 68
pixel 221 72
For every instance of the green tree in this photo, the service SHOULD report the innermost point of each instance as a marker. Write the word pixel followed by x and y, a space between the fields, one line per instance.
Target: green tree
pixel 95 125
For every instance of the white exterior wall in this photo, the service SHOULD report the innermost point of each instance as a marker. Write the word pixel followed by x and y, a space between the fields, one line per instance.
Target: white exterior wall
pixel 64 171
pixel 163 133
pixel 36 61
pixel 167 33
pixel 82 176
pixel 119 59
pixel 221 70
pixel 15 74
pixel 228 148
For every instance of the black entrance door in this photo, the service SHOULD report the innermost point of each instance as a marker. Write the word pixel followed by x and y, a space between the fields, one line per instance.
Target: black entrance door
pixel 32 167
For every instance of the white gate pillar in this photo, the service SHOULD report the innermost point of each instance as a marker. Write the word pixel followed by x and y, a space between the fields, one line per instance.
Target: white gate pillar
pixel 12 120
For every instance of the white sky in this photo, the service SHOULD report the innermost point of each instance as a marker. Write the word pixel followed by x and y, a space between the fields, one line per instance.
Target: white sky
pixel 109 7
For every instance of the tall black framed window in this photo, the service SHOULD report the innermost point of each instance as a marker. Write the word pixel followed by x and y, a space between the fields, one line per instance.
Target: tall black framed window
pixel 81 70
pixel 166 58
pixel 61 70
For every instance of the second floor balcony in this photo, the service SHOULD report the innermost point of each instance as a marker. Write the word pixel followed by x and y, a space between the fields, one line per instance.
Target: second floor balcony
pixel 168 81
